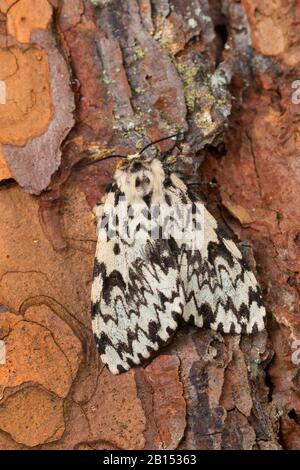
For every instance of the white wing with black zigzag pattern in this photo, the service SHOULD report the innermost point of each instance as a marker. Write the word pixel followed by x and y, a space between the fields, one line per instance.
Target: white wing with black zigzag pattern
pixel 221 292
pixel 148 275
pixel 137 294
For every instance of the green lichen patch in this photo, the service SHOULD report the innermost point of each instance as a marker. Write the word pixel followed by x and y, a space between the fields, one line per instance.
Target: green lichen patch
pixel 190 86
pixel 139 53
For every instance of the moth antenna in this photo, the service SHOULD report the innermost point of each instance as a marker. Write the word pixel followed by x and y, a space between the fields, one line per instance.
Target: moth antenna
pixel 82 163
pixel 189 185
pixel 159 140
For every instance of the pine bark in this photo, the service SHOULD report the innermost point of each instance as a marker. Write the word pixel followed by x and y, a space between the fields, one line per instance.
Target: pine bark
pixel 83 79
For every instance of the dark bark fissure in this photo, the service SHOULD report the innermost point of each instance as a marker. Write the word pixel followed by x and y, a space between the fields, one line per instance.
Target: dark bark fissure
pixel 139 71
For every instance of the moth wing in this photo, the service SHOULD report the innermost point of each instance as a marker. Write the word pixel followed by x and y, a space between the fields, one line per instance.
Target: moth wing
pixel 137 295
pixel 221 292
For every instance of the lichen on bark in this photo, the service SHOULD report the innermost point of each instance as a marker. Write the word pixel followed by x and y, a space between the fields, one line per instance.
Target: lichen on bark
pixel 86 78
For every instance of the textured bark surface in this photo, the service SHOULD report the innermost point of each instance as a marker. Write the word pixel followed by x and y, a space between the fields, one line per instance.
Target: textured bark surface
pixel 82 78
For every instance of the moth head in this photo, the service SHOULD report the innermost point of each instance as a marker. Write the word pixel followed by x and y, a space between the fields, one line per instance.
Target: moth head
pixel 139 177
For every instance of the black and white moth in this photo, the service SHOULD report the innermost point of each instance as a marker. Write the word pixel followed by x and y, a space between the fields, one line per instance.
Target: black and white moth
pixel 151 273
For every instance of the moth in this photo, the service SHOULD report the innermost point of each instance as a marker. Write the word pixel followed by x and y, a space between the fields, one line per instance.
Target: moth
pixel 161 259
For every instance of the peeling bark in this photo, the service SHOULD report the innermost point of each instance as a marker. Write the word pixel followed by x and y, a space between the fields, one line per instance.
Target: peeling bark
pixel 84 79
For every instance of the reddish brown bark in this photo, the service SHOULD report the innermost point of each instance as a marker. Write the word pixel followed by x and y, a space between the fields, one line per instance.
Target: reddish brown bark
pixel 87 78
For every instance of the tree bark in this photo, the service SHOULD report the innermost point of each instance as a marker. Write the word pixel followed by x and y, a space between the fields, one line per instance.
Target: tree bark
pixel 82 79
